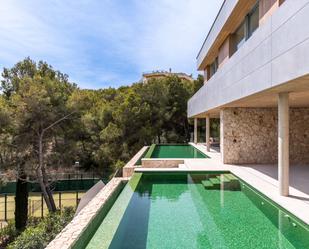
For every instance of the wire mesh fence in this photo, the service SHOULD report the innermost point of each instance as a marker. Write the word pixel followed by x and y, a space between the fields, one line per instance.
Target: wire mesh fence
pixel 67 191
pixel 36 204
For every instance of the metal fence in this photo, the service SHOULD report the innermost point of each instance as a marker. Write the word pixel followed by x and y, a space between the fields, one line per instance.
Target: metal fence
pixel 70 184
pixel 36 204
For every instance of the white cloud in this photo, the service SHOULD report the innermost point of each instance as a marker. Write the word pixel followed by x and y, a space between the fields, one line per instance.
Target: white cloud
pixel 105 42
pixel 175 32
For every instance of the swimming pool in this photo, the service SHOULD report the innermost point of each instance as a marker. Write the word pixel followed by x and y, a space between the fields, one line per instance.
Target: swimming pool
pixel 196 210
pixel 174 151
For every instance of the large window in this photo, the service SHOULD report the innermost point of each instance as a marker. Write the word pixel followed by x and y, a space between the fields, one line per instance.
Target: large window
pixel 247 28
pixel 213 68
pixel 244 31
pixel 240 36
pixel 253 20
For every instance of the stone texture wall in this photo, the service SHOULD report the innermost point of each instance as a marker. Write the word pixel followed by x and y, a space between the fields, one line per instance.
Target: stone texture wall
pixel 249 135
pixel 161 163
pixel 299 136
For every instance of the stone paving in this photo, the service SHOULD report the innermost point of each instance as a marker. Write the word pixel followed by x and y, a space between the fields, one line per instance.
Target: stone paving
pixel 69 235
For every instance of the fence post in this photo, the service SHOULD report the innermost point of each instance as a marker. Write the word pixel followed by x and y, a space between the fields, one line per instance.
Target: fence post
pixel 81 186
pixel 42 206
pixel 29 208
pixel 76 198
pixel 5 206
pixel 33 206
pixel 59 200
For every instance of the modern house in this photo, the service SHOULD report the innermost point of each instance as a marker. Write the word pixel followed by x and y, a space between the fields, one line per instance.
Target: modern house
pixel 162 74
pixel 254 191
pixel 256 64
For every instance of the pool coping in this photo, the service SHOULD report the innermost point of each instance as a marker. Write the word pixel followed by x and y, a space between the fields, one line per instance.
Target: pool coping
pixel 179 170
pixel 153 146
pixel 128 169
pixel 150 151
pixel 149 162
pixel 70 235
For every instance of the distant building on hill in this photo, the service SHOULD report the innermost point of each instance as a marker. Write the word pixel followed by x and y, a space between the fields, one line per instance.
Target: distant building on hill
pixel 161 74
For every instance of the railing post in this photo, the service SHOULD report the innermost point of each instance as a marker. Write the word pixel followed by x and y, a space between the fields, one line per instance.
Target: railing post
pixel 5 206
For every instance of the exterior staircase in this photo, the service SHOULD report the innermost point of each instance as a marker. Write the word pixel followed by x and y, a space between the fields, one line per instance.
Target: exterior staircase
pixel 230 182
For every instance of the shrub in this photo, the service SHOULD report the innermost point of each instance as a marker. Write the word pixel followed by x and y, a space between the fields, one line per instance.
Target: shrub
pixel 7 234
pixel 38 235
pixel 31 238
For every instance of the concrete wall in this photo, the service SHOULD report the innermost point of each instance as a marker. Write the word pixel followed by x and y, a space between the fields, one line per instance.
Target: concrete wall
pixel 266 60
pixel 266 8
pixel 249 135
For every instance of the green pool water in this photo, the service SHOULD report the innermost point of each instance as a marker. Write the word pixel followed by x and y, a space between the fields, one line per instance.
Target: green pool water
pixel 175 151
pixel 196 211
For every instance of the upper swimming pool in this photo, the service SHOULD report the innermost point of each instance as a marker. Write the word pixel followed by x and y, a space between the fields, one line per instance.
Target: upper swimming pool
pixel 174 151
pixel 196 210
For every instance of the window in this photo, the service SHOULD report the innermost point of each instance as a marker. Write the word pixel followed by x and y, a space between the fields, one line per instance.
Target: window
pixel 253 20
pixel 213 68
pixel 247 28
pixel 240 36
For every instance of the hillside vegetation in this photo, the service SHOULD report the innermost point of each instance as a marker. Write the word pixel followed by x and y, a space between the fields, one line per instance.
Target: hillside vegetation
pixel 47 122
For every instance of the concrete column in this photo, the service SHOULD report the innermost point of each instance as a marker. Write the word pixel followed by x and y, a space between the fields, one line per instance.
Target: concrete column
pixel 283 143
pixel 222 135
pixel 208 133
pixel 195 131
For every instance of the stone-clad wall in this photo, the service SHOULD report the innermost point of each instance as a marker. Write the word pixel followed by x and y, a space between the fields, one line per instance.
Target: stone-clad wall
pixel 299 136
pixel 249 135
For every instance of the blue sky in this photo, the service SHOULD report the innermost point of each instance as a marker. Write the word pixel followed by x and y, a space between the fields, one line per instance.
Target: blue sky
pixel 102 43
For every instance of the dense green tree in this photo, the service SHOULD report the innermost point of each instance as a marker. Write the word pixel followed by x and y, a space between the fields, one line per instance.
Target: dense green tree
pixel 47 122
pixel 37 96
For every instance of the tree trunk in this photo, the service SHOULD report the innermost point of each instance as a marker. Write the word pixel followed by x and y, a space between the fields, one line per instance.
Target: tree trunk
pixel 41 174
pixel 48 190
pixel 159 139
pixel 21 201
